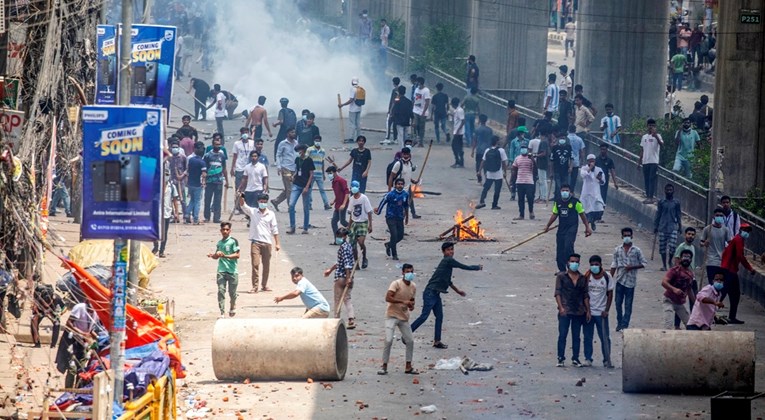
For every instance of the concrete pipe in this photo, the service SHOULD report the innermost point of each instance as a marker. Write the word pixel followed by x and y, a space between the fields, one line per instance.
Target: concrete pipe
pixel 687 362
pixel 279 349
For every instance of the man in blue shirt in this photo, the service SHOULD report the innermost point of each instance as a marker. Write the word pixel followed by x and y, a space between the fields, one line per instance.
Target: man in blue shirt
pixel 197 170
pixel 396 216
pixel 285 165
pixel 577 147
pixel 316 306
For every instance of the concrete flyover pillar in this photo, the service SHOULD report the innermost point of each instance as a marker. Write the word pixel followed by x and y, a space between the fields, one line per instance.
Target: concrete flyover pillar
pixel 739 110
pixel 509 40
pixel 279 349
pixel 687 362
pixel 621 55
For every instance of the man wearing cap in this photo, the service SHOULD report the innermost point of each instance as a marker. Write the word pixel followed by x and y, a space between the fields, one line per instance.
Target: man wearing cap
pixel 360 210
pixel 354 109
pixel 593 178
pixel 732 257
pixel 284 120
pixel 264 232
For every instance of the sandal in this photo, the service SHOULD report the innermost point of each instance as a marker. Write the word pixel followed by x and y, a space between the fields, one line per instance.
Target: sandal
pixel 232 313
pixel 255 290
pixel 351 324
pixel 382 372
pixel 440 345
pixel 265 289
pixel 412 372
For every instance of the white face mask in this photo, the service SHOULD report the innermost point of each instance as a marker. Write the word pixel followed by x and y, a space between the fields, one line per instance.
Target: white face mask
pixel 317 144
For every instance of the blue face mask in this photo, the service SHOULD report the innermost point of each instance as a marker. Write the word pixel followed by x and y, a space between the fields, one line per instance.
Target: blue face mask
pixel 573 266
pixel 595 269
pixel 565 195
pixel 409 276
pixel 627 240
pixel 744 234
pixel 718 285
pixel 354 190
pixel 561 142
pixel 524 151
pixel 339 241
pixel 719 220
pixel 262 206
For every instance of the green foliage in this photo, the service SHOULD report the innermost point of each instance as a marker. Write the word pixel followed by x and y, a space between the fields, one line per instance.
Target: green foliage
pixel 754 202
pixel 445 47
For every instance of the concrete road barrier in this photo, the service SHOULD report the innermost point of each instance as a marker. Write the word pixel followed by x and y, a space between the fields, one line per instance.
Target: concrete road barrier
pixel 261 349
pixel 687 362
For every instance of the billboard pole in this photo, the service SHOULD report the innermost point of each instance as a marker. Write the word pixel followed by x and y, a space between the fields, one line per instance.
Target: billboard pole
pixel 117 333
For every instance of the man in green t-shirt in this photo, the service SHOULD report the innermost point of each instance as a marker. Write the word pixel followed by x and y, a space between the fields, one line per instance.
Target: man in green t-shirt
pixel 472 109
pixel 687 139
pixel 227 254
pixel 679 61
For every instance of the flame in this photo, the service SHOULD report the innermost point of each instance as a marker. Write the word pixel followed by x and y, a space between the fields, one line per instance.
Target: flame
pixel 472 225
pixel 417 191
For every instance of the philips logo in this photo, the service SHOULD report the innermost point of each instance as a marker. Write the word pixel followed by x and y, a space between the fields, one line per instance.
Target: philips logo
pixel 97 116
pixel 101 31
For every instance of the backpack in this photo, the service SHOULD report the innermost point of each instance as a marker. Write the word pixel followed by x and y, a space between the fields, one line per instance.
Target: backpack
pixel 289 119
pixel 361 96
pixel 493 161
pixel 389 169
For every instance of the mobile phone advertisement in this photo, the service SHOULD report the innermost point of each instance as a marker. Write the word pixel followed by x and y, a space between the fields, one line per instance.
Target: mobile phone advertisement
pixel 122 172
pixel 107 68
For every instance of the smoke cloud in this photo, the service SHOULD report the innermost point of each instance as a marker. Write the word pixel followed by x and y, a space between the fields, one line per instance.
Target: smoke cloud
pixel 267 48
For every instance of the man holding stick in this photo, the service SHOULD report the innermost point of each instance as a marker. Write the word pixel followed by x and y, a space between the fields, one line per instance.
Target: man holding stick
pixel 343 269
pixel 569 210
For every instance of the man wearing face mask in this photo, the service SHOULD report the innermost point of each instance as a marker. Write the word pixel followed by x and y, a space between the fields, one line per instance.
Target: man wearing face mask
pixel 264 233
pixel 714 238
pixel 573 301
pixel 569 210
pixel 396 216
pixel 628 259
pixel 687 140
pixel 592 179
pixel 649 159
pixel 317 154
pixel 217 176
pixel 306 130
pixel 732 257
pixel 285 165
pixel 677 285
pixel 197 175
pixel 178 164
pixel 667 224
pixel 360 210
pixel 254 180
pixel 343 270
pixel 687 244
pixel 241 158
pixel 707 303
pixel 400 300
pixel 525 174
pixel 601 290
pixel 560 156
pixel 340 203
pixel 301 187
pixel 403 168
pixel 731 218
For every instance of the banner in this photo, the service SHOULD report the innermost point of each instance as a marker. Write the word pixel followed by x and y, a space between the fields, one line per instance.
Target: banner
pixel 107 71
pixel 122 172
pixel 12 124
pixel 17 46
pixel 10 89
pixel 152 59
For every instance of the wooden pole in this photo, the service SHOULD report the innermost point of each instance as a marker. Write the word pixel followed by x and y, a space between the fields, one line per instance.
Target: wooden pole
pixel 425 162
pixel 536 235
pixel 345 289
pixel 342 124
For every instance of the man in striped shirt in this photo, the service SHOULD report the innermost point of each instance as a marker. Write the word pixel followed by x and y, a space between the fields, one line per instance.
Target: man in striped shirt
pixel 552 94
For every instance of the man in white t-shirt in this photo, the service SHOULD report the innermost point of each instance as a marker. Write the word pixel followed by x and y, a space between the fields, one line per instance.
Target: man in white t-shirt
pixel 420 109
pixel 360 210
pixel 254 180
pixel 565 81
pixel 570 41
pixel 220 110
pixel 241 158
pixel 552 94
pixel 404 169
pixel 495 164
pixel 601 289
pixel 458 132
pixel 649 159
pixel 354 109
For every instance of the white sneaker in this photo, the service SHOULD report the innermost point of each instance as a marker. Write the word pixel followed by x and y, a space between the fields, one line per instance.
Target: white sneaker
pixel 587 363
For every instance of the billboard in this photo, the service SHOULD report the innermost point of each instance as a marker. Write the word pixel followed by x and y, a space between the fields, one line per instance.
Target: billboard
pixel 107 70
pixel 12 125
pixel 122 172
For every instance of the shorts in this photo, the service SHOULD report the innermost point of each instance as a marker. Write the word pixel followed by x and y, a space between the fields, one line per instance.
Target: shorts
pixel 358 229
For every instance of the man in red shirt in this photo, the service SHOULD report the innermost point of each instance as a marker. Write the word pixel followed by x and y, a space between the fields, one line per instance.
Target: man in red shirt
pixel 340 188
pixel 732 256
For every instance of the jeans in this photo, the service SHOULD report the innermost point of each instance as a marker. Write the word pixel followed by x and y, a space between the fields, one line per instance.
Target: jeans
pixel 362 181
pixel 165 227
pixel 406 335
pixel 569 43
pixel 195 200
pixel 573 177
pixel 338 216
pixel 219 125
pixel 604 191
pixel 354 122
pixel 390 128
pixel 601 324
pixel 440 123
pixel 650 178
pixel 396 229
pixel 258 134
pixel 260 253
pixel 431 301
pixel 624 297
pixel 60 193
pixel 682 166
pixel 251 198
pixel 318 179
pixel 574 322
pixel 199 108
pixel 469 128
pixel 419 125
pixel 213 197
pixel 677 81
pixel 560 178
pixel 542 181
pixel 732 288
pixel 497 183
pixel 232 281
pixel 297 192
pixel 564 245
pixel 459 154
pixel 525 191
pixel 401 134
